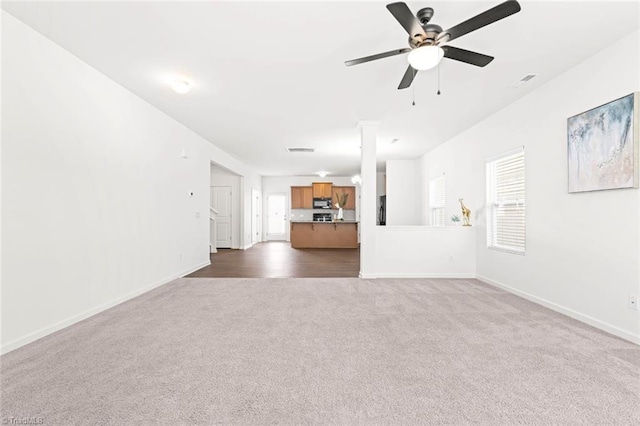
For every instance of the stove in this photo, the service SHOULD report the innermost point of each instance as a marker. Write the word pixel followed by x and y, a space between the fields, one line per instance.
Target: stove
pixel 322 217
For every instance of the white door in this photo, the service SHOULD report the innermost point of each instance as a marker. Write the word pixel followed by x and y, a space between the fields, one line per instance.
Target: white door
pixel 256 206
pixel 276 217
pixel 221 201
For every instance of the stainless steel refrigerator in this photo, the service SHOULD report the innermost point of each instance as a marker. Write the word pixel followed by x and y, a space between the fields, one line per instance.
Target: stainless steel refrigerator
pixel 382 211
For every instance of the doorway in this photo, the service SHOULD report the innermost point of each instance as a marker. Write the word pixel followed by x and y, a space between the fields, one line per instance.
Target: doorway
pixel 276 217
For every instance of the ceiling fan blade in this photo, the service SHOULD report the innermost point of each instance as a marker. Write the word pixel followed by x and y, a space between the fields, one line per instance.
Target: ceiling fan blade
pixel 409 22
pixel 490 16
pixel 467 56
pixel 407 78
pixel 378 56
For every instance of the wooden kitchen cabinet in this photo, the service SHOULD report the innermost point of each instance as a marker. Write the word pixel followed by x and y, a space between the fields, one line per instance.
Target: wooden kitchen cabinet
pixel 351 200
pixel 322 190
pixel 296 197
pixel 324 235
pixel 307 197
pixel 301 197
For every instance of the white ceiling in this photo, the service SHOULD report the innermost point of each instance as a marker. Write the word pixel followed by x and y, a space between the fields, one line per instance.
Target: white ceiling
pixel 269 75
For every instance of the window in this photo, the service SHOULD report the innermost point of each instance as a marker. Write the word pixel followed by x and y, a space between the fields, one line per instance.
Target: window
pixel 506 202
pixel 436 201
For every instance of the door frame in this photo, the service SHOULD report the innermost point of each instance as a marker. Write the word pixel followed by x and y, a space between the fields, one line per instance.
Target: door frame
pixel 286 219
pixel 256 216
pixel 240 203
pixel 231 221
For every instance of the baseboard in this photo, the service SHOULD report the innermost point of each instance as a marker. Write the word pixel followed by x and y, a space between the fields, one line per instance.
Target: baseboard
pixel 366 276
pixel 616 331
pixel 417 275
pixel 427 275
pixel 32 337
pixel 247 247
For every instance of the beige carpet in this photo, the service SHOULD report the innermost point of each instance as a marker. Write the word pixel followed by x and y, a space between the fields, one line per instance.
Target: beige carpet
pixel 325 351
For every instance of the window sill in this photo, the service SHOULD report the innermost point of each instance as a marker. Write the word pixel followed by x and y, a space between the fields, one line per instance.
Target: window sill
pixel 506 250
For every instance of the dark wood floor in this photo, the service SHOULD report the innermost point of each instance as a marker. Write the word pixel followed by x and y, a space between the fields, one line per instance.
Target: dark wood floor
pixel 278 259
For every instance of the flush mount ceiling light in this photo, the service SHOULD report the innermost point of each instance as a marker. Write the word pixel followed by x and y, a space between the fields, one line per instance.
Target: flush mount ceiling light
pixel 322 174
pixel 180 86
pixel 425 57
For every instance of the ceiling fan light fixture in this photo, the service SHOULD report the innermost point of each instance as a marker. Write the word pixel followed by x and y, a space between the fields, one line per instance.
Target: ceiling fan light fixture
pixel 425 57
pixel 180 86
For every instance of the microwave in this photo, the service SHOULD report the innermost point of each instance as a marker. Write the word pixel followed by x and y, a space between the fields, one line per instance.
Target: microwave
pixel 322 203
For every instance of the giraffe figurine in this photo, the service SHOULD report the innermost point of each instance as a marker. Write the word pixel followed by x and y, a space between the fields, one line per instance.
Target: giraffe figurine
pixel 466 213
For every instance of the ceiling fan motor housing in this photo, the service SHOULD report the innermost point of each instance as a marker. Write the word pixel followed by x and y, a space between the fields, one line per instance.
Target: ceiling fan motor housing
pixel 429 39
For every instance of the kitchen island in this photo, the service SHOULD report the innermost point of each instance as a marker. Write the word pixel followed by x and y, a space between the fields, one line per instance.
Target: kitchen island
pixel 306 234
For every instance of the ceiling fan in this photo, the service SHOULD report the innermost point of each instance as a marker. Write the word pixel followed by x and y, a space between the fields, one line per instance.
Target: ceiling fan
pixel 428 42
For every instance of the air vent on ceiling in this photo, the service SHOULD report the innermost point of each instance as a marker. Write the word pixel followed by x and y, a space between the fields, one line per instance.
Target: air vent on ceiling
pixel 527 78
pixel 300 149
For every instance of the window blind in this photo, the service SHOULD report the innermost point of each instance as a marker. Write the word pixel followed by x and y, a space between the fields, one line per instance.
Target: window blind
pixel 436 201
pixel 506 202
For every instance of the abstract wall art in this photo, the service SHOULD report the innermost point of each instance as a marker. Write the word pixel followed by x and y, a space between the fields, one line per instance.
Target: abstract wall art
pixel 602 146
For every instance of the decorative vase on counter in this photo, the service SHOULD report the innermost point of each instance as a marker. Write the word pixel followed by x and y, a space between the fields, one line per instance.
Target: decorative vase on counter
pixel 340 214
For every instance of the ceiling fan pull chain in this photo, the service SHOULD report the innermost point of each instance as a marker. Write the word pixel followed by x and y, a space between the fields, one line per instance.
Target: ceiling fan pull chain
pixel 438 78
pixel 413 90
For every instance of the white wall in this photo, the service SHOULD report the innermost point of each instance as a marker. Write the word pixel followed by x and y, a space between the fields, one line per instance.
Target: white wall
pixel 423 251
pixel 582 249
pixel 221 177
pixel 283 184
pixel 1 188
pixel 404 192
pixel 94 190
pixel 250 180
